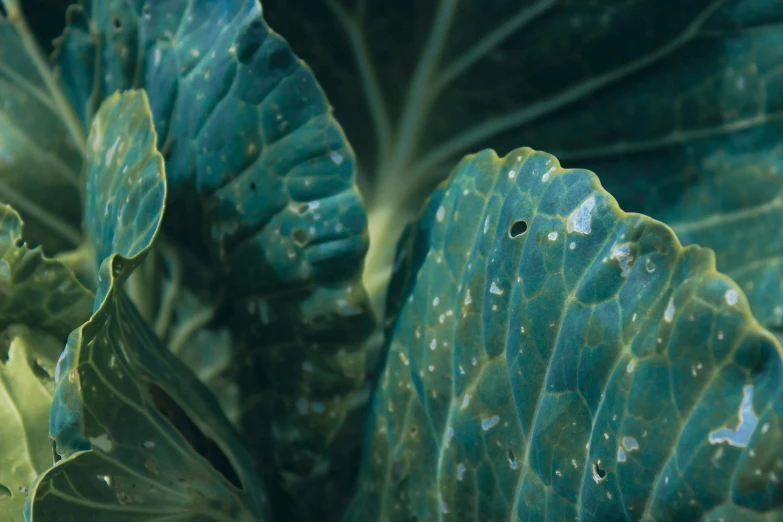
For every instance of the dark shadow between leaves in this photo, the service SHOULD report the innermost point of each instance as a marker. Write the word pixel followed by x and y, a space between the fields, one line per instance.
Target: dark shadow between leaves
pixel 200 443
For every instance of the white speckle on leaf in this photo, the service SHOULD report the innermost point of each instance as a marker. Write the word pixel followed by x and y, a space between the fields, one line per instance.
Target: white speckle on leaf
pixel 443 508
pixel 630 444
pixel 486 224
pixel 545 177
pixel 441 214
pixel 112 150
pixel 148 444
pixel 106 479
pixel 720 335
pixel 449 434
pixel 494 289
pixel 511 174
pixel 487 424
pixel 431 368
pixel 579 220
pixel 336 157
pixel 433 344
pixel 731 296
pixel 622 254
pixel 740 436
pixel 468 299
pixel 552 236
pixel 157 56
pixel 460 471
pixel 765 428
pixel 572 245
pixel 436 301
pixel 669 314
pixel 620 454
pixel 102 442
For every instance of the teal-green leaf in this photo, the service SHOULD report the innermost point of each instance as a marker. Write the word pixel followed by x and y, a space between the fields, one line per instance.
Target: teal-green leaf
pixel 39 160
pixel 682 94
pixel 701 133
pixel 555 358
pixel 139 436
pixel 261 188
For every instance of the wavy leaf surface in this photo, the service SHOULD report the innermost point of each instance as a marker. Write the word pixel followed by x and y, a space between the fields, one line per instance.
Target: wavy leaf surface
pixel 140 437
pixel 682 95
pixel 42 302
pixel 262 191
pixel 556 358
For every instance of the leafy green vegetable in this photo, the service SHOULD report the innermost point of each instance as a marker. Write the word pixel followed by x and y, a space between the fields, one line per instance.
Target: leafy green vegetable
pixel 24 403
pixel 541 354
pixel 682 95
pixel 42 301
pixel 39 172
pixel 261 187
pixel 38 292
pixel 557 358
pixel 121 395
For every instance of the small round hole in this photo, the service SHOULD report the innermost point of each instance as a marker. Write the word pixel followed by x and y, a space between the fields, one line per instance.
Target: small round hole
pixel 598 473
pixel 115 21
pixel 517 229
pixel 253 186
pixel 300 236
